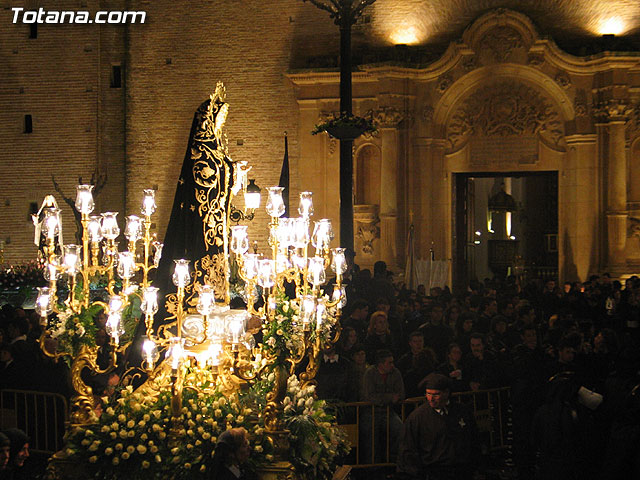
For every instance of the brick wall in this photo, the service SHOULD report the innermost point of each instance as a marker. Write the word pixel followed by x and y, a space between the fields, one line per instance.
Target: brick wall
pixel 57 79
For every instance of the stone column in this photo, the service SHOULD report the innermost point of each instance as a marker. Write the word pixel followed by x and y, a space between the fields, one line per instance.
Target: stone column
pixel 387 119
pixel 582 212
pixel 613 114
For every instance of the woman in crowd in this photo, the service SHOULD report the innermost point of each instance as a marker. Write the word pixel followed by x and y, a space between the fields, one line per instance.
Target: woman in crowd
pixel 378 336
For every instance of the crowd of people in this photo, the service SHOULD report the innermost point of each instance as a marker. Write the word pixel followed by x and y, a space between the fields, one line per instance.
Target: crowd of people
pixel 14 452
pixel 570 355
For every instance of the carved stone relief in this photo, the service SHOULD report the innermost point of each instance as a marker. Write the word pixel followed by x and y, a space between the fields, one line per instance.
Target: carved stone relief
pixel 614 109
pixel 634 227
pixel 535 59
pixel 633 125
pixel 367 228
pixel 427 114
pixel 469 63
pixel 386 117
pixel 501 42
pixel 505 109
pixel 444 82
pixel 563 80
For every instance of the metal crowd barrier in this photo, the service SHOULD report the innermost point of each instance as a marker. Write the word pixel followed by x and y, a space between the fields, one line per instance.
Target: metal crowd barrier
pixel 361 419
pixel 42 416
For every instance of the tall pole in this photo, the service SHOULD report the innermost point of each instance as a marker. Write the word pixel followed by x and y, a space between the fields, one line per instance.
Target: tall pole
pixel 345 13
pixel 346 144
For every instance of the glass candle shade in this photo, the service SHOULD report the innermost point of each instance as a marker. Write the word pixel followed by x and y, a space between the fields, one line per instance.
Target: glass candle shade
pixel 126 265
pixel 84 199
pixel 109 226
pixel 94 229
pixel 206 300
pixel 239 239
pixel 275 203
pixel 305 208
pixel 181 273
pixel 148 202
pixel 133 228
pixel 72 258
pixel 51 223
pixel 149 303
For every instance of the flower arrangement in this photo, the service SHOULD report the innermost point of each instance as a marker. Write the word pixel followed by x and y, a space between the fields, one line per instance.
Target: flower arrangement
pixel 283 337
pixel 132 439
pixel 73 331
pixel 345 125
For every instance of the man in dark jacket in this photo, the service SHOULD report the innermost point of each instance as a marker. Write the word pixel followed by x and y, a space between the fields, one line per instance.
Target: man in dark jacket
pixel 440 437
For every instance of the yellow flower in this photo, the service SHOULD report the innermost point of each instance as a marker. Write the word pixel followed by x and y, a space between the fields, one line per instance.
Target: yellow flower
pixel 122 418
pixel 206 435
pixel 175 450
pixel 130 449
pixel 175 460
pixel 108 451
pixel 162 435
pixel 131 434
pixel 141 449
pixel 145 464
pixel 113 435
pixel 118 446
pixel 203 467
pixel 158 459
pixel 143 437
pixel 131 424
pixel 124 456
pixel 154 449
pixel 122 434
pixel 93 459
pixel 115 461
pixel 187 466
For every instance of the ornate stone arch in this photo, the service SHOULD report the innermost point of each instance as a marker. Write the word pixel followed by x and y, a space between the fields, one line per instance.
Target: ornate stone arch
pixel 546 107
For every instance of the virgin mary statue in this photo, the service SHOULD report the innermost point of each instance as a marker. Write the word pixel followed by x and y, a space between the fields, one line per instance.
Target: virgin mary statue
pixel 198 223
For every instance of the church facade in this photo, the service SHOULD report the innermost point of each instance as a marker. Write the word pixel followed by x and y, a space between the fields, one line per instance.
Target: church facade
pixel 502 100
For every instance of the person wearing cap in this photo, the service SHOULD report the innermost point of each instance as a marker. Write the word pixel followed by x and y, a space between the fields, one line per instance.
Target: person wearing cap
pixel 439 441
pixel 5 453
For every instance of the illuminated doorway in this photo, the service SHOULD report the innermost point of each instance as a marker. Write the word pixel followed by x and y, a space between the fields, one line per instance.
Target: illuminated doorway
pixel 505 224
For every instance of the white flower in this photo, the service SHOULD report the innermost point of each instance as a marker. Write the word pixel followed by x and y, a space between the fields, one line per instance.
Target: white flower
pixel 271 342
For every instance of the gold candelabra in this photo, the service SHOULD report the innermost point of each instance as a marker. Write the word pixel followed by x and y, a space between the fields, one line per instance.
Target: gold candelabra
pixel 203 332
